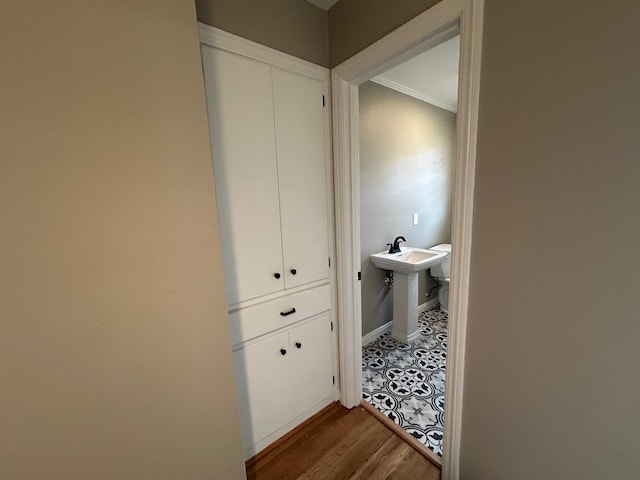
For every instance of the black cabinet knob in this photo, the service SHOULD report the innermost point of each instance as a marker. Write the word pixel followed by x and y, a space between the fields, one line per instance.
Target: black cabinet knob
pixel 288 312
pixel 298 345
pixel 277 275
pixel 293 271
pixel 283 351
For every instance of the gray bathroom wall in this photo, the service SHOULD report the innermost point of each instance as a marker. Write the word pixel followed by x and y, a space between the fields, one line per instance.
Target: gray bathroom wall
pixel 406 149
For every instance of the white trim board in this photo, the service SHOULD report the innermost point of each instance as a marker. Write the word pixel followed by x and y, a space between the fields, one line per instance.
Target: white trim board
pixel 372 335
pixel 386 82
pixel 214 37
pixel 416 36
pixel 429 305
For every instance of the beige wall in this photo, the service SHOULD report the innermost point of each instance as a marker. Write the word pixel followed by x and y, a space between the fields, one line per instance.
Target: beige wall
pixel 551 386
pixel 295 27
pixel 114 348
pixel 356 24
pixel 554 328
pixel 406 149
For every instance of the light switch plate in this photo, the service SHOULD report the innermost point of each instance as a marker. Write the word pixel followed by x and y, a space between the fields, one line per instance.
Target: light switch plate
pixel 415 218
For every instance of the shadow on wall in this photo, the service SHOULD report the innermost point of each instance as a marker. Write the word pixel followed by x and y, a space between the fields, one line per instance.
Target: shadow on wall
pixel 406 153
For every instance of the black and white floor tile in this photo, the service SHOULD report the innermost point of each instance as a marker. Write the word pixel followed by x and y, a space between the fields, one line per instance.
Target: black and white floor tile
pixel 406 382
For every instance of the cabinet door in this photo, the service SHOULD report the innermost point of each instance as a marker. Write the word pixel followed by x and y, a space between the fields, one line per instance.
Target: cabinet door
pixel 263 383
pixel 240 107
pixel 303 177
pixel 311 364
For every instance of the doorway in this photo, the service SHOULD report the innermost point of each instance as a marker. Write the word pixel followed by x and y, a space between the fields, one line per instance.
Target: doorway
pixel 407 136
pixel 418 35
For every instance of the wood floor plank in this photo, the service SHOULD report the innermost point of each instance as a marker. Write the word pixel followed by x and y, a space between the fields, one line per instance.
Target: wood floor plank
pixel 383 462
pixel 397 460
pixel 308 451
pixel 292 443
pixel 354 448
pixel 412 464
pixel 329 448
pixel 343 444
pixel 306 447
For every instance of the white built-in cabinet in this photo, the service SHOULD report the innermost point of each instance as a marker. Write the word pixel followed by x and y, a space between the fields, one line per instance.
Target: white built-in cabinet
pixel 267 136
pixel 281 376
pixel 270 142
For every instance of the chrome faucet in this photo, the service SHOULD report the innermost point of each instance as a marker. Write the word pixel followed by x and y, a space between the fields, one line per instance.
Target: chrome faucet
pixel 395 246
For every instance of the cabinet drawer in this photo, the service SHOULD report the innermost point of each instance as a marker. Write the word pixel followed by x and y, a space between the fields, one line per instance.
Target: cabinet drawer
pixel 250 322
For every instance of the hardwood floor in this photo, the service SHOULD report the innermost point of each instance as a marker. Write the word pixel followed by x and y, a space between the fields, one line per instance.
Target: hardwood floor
pixel 342 444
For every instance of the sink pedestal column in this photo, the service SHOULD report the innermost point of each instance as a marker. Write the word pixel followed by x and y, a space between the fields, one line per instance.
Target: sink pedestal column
pixel 405 307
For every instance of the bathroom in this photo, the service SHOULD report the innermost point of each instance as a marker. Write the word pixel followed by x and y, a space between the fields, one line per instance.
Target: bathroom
pixel 407 138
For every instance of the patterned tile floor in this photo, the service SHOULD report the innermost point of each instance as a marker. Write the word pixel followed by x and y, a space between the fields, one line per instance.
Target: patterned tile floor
pixel 406 382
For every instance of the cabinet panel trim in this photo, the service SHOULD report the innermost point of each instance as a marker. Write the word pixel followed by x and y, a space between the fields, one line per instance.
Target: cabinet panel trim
pixel 252 322
pixel 215 37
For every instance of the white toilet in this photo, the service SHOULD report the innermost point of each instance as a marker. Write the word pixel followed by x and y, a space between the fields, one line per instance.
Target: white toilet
pixel 442 273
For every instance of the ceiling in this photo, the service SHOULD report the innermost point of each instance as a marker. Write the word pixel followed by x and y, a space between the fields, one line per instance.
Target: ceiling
pixel 431 76
pixel 323 4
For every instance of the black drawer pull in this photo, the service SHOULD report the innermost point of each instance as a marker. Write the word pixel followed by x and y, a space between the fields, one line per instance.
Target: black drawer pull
pixel 277 275
pixel 293 271
pixel 298 345
pixel 283 351
pixel 289 312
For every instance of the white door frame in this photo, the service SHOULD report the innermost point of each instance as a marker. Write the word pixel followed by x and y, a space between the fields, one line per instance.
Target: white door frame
pixel 426 30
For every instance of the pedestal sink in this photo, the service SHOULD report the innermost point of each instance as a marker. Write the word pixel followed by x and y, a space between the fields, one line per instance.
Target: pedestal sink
pixel 405 266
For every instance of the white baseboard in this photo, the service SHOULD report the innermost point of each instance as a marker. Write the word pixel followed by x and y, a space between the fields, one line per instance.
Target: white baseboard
pixel 371 336
pixel 428 305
